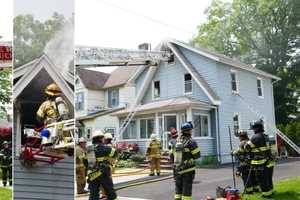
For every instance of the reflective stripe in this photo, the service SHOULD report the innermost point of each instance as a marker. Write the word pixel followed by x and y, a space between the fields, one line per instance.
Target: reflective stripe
pixel 260 149
pixel 40 113
pixel 186 150
pixel 93 175
pixel 187 170
pixel 271 164
pixel 112 153
pixel 186 197
pixel 258 162
pixel 197 150
pixel 177 196
pixel 269 193
pixel 100 159
pixel 251 144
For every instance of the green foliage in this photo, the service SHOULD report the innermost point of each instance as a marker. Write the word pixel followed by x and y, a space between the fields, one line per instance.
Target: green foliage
pixel 207 161
pixel 264 33
pixel 137 158
pixel 31 36
pixel 292 130
pixel 287 189
pixel 5 193
pixel 126 164
pixel 5 92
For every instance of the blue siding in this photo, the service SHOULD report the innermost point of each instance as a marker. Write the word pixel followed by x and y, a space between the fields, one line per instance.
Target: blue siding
pixel 171 79
pixel 232 103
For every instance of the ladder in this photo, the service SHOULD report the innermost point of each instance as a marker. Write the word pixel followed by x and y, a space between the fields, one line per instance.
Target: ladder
pixel 98 56
pixel 287 140
pixel 126 122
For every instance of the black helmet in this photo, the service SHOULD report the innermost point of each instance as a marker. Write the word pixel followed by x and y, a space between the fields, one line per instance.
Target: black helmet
pixel 243 134
pixel 259 124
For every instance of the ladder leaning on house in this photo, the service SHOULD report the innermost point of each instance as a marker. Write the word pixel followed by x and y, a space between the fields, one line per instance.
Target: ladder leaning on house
pixel 288 140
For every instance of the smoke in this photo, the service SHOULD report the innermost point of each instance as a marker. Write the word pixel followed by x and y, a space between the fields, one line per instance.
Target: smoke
pixel 60 49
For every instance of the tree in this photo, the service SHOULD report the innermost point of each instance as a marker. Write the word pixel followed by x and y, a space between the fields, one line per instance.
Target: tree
pixel 263 33
pixel 5 92
pixel 31 36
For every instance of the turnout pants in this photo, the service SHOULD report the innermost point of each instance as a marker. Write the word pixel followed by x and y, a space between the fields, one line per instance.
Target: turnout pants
pixel 264 177
pixel 184 185
pixel 104 181
pixel 154 165
pixel 248 177
pixel 80 179
pixel 6 174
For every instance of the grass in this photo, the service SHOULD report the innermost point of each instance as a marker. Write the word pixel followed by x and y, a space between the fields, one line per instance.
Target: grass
pixel 286 189
pixel 5 193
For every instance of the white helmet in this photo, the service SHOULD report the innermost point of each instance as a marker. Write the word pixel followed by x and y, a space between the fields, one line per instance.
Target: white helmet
pixel 153 136
pixel 108 136
pixel 81 140
pixel 97 133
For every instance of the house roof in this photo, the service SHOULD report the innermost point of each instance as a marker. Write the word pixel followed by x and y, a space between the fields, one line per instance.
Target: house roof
pixel 120 76
pixel 99 114
pixel 222 58
pixel 26 73
pixel 93 80
pixel 176 103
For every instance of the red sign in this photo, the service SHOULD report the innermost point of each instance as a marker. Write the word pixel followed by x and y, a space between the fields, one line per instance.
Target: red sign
pixel 5 53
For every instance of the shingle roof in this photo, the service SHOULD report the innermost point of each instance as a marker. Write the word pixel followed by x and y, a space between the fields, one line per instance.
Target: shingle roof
pixel 93 80
pixel 120 76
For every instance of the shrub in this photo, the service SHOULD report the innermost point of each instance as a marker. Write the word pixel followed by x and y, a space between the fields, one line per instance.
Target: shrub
pixel 137 158
pixel 126 164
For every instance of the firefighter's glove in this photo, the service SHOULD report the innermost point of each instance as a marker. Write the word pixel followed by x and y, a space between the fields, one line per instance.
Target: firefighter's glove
pixel 238 174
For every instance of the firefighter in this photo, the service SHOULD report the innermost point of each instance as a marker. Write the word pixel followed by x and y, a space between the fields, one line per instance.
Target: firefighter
pixel 54 108
pixel 187 151
pixel 243 169
pixel 108 141
pixel 153 154
pixel 81 165
pixel 172 143
pixel 6 164
pixel 100 174
pixel 261 158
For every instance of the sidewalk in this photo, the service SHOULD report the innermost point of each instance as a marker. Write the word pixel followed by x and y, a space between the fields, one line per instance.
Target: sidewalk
pixel 127 176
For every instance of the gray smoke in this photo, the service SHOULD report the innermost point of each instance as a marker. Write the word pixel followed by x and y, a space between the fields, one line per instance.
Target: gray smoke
pixel 60 49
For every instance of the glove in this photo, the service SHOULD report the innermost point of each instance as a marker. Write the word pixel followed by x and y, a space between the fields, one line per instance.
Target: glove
pixel 238 174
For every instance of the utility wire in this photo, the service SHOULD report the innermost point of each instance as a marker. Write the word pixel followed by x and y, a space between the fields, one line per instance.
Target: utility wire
pixel 147 17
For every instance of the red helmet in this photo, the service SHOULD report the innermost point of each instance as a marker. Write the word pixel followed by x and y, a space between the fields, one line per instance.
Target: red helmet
pixel 174 133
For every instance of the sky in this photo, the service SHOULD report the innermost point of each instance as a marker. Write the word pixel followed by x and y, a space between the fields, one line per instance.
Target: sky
pixel 126 24
pixel 6 20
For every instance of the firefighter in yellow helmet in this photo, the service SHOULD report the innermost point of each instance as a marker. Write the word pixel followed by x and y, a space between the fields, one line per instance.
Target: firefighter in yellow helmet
pixel 81 165
pixel 153 154
pixel 54 108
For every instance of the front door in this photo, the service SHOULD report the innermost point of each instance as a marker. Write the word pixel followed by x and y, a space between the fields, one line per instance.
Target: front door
pixel 169 121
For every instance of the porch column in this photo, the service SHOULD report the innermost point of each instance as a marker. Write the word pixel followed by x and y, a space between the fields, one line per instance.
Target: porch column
pixel 156 124
pixel 189 114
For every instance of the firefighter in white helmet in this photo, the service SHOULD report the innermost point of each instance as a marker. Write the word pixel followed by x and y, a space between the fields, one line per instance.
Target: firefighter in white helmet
pixel 81 165
pixel 100 175
pixel 153 154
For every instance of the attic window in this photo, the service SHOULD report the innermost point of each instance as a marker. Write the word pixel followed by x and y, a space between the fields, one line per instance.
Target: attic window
pixel 156 89
pixel 171 60
pixel 234 85
pixel 188 84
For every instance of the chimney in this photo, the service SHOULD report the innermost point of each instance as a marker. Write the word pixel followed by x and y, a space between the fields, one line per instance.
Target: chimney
pixel 145 46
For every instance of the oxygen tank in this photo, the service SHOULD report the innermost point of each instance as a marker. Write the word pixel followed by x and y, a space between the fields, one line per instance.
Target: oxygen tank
pixel 178 153
pixel 62 108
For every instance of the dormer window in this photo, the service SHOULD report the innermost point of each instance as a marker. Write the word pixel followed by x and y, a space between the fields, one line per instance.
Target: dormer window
pixel 234 84
pixel 188 84
pixel 156 89
pixel 113 98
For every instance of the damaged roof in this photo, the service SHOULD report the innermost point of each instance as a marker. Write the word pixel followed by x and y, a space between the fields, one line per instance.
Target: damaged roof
pixel 93 80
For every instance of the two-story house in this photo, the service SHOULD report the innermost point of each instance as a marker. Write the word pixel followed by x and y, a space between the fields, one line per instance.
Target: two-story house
pixel 99 94
pixel 213 91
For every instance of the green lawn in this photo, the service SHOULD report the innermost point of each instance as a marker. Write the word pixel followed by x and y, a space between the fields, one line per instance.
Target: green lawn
pixel 287 189
pixel 5 193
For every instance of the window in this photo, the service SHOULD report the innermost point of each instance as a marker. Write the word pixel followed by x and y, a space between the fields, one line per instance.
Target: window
pixel 156 89
pixel 113 98
pixel 79 105
pixel 259 87
pixel 88 133
pixel 236 124
pixel 146 128
pixel 130 131
pixel 201 125
pixel 234 86
pixel 188 84
pixel 171 60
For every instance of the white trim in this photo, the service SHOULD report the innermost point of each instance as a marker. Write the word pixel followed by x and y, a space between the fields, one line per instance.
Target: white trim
pixel 139 128
pixel 208 124
pixel 156 98
pixel 235 72
pixel 261 86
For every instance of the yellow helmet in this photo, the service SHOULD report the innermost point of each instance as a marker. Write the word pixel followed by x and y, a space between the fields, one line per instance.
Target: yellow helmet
pixel 53 90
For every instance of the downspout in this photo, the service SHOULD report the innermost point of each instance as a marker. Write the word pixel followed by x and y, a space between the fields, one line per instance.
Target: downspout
pixel 218 135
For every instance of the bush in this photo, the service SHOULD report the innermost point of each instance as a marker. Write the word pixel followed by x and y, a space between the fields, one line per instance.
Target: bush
pixel 137 158
pixel 292 130
pixel 207 160
pixel 126 164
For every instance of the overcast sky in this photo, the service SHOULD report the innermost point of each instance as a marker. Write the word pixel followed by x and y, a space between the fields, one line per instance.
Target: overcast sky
pixel 6 16
pixel 125 24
